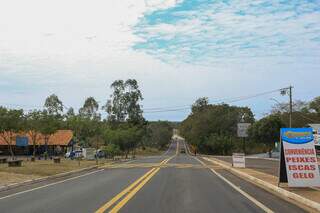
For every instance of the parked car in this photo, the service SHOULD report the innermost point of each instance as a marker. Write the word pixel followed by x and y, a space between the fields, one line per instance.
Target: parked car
pixel 73 154
pixel 100 154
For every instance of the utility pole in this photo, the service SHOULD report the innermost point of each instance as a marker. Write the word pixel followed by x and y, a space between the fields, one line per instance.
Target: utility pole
pixel 290 95
pixel 288 91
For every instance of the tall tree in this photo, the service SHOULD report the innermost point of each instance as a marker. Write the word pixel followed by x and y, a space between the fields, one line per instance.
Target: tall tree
pixel 211 125
pixel 200 104
pixel 116 106
pixel 53 105
pixel 125 136
pixel 70 113
pixel 124 103
pixel 33 127
pixel 90 109
pixel 49 124
pixel 11 122
pixel 133 96
pixel 315 104
pixel 267 131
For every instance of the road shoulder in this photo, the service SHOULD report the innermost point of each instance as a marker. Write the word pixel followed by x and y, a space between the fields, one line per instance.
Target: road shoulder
pixel 306 198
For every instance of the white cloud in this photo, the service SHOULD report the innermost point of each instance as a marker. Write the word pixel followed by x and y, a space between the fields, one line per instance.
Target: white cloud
pixel 76 48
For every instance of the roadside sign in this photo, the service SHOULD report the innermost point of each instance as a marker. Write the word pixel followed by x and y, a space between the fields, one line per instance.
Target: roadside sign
pixel 298 158
pixel 238 160
pixel 242 130
pixel 21 141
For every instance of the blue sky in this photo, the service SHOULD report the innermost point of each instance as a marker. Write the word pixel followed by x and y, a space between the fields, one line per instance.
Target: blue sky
pixel 178 50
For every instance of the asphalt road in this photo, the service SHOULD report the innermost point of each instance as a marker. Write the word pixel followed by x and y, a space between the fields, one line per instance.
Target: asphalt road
pixel 172 182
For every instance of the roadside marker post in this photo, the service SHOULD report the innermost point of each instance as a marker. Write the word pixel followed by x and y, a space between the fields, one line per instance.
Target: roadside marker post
pixel 238 160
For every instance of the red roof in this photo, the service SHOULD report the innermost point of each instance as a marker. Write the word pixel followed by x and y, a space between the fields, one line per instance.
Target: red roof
pixel 61 137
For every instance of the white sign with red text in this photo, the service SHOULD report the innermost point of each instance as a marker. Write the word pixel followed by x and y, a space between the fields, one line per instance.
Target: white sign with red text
pixel 300 157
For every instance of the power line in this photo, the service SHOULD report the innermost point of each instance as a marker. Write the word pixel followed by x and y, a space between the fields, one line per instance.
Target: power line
pixel 224 100
pixel 177 108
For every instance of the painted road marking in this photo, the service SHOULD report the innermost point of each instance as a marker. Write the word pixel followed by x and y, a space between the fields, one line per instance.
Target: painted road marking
pixel 133 192
pixel 132 189
pixel 51 184
pixel 249 197
pixel 151 165
pixel 122 193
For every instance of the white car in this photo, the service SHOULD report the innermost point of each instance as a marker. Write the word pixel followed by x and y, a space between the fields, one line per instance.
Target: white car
pixel 72 154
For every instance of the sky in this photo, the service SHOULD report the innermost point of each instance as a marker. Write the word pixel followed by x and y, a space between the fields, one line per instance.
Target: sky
pixel 178 50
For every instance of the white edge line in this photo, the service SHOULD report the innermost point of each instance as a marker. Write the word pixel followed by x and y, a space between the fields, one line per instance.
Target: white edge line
pixel 249 197
pixel 51 184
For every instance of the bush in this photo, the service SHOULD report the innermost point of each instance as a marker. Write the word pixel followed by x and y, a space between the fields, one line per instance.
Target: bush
pixel 111 150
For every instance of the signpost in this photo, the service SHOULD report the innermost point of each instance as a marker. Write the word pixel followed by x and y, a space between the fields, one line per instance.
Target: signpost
pixel 298 161
pixel 242 132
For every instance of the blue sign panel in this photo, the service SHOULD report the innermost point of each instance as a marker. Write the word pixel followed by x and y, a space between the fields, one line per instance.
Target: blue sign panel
pixel 21 141
pixel 297 135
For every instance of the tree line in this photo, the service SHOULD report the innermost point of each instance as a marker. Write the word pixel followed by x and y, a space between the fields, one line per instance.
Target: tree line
pixel 120 133
pixel 212 128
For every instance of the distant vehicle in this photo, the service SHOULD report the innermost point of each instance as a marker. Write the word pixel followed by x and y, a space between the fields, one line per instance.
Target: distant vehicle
pixel 73 154
pixel 182 151
pixel 100 154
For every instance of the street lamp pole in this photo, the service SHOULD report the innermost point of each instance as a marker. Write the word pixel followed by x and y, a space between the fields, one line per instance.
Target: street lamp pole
pixel 288 91
pixel 290 96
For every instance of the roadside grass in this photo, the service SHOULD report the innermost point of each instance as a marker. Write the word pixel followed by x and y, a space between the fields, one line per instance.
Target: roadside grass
pixel 9 178
pixel 48 167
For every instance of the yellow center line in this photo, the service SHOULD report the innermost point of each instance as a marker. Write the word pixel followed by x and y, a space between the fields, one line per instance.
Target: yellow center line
pixel 137 183
pixel 122 193
pixel 133 192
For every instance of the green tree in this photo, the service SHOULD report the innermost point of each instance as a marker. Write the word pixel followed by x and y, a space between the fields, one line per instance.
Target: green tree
pixel 90 109
pixel 315 104
pixel 112 150
pixel 200 104
pixel 266 131
pixel 124 103
pixel 33 127
pixel 213 122
pixel 70 113
pixel 132 97
pixel 53 105
pixel 11 122
pixel 125 136
pixel 49 124
pixel 158 135
pixel 116 105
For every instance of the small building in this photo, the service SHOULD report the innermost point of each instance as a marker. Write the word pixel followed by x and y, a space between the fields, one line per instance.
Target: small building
pixel 22 143
pixel 315 127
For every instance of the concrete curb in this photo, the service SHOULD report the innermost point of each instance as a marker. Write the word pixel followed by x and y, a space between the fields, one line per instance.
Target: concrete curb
pixel 38 180
pixel 282 192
